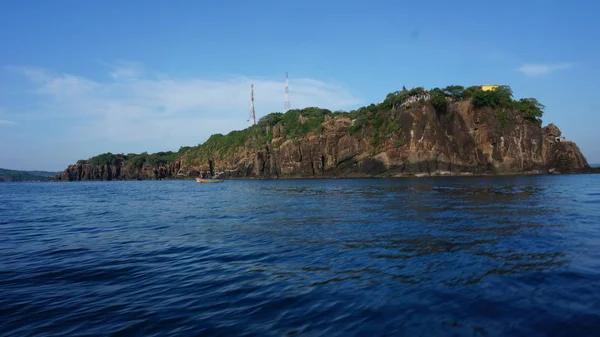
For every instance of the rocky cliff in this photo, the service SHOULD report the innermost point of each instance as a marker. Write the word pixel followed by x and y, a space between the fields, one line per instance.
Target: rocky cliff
pixel 392 139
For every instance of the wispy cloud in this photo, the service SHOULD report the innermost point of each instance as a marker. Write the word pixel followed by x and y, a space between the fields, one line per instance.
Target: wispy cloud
pixel 4 122
pixel 165 112
pixel 543 69
pixel 125 69
pixel 162 97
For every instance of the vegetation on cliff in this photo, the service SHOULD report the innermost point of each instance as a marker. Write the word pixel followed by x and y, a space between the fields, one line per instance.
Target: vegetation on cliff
pixel 134 159
pixel 376 122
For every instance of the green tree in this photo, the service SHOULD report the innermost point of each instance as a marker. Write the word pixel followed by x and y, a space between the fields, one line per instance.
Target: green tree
pixel 437 97
pixel 300 122
pixel 530 108
pixel 469 92
pixel 271 119
pixel 504 94
pixel 417 91
pixel 483 98
pixel 139 161
pixel 390 99
pixel 501 96
pixel 105 159
pixel 456 91
pixel 184 149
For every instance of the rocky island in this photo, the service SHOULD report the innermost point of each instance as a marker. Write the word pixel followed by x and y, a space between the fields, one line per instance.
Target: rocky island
pixel 477 130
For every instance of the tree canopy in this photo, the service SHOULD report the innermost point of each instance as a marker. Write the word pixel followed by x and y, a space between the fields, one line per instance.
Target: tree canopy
pixel 530 107
pixel 455 91
pixel 437 97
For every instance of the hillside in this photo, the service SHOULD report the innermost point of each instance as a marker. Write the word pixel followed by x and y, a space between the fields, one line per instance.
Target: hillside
pixel 450 131
pixel 7 175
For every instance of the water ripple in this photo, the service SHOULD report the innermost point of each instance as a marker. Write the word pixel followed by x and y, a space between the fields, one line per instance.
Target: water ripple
pixel 433 257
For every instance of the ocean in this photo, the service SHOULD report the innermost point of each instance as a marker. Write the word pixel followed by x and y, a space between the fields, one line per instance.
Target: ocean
pixel 470 256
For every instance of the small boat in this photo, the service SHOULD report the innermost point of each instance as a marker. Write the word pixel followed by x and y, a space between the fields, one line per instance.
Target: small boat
pixel 211 176
pixel 209 180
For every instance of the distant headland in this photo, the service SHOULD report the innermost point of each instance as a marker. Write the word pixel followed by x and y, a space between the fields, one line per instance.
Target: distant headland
pixel 478 130
pixel 7 175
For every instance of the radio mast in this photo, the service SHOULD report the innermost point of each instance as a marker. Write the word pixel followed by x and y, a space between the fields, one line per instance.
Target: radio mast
pixel 286 100
pixel 252 114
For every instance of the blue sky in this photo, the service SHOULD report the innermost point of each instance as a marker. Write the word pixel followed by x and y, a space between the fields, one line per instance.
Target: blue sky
pixel 79 78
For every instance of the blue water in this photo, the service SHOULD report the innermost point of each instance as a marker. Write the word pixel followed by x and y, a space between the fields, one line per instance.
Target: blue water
pixel 504 256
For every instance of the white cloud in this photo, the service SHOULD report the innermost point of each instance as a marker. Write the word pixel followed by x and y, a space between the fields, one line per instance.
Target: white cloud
pixel 164 112
pixel 126 70
pixel 4 122
pixel 543 69
pixel 161 97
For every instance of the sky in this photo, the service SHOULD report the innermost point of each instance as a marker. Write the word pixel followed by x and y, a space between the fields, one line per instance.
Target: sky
pixel 80 78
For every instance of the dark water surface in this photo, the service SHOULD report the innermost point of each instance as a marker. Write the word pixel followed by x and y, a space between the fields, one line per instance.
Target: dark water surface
pixel 506 256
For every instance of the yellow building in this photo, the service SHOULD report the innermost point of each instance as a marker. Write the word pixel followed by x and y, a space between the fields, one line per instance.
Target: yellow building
pixel 489 87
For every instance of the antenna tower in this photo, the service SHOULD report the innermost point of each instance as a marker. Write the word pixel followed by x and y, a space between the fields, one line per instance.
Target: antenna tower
pixel 252 115
pixel 286 101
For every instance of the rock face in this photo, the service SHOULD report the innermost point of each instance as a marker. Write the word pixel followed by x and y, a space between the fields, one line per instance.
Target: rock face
pixel 419 140
pixel 119 171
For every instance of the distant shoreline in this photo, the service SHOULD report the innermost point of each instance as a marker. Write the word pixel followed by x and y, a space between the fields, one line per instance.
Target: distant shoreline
pixel 401 176
pixel 8 175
